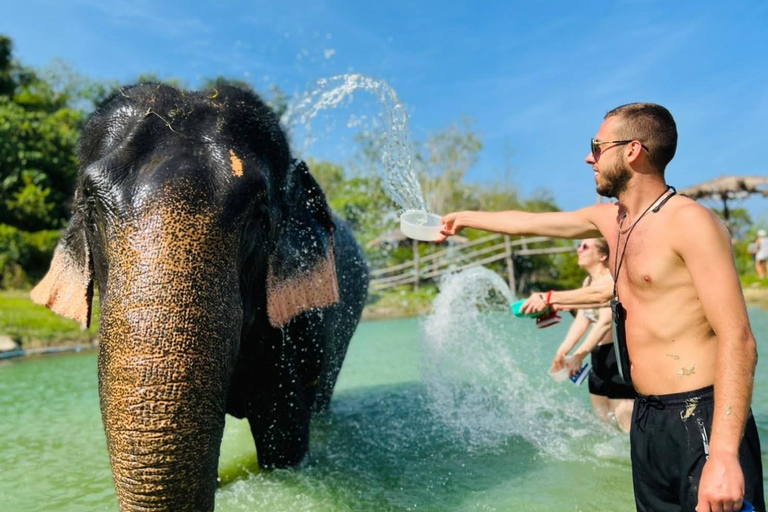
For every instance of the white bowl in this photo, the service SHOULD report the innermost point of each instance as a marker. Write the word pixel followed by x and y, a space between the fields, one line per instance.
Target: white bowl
pixel 560 375
pixel 420 225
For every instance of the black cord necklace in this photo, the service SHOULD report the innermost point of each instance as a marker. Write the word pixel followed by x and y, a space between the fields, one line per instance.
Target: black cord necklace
pixel 655 206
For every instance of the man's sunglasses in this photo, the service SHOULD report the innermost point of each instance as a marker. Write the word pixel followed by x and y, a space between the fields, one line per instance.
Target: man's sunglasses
pixel 595 146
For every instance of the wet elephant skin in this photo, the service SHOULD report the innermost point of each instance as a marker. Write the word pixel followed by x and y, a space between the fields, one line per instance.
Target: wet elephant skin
pixel 226 286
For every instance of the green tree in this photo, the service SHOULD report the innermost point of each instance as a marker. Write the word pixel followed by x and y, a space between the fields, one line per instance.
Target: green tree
pixel 38 166
pixel 39 128
pixel 739 221
pixel 329 176
pixel 277 100
pixel 447 157
pixel 7 84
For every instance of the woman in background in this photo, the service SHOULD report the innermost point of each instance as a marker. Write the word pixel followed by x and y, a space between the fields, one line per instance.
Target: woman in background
pixel 612 399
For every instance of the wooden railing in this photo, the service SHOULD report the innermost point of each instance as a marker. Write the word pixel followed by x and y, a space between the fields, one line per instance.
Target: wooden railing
pixel 460 257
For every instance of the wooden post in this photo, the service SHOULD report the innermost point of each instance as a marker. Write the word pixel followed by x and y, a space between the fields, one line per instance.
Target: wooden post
pixel 726 214
pixel 510 262
pixel 521 284
pixel 416 264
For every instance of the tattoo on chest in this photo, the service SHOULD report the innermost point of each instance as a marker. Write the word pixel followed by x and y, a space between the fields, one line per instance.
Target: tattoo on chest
pixel 674 356
pixel 687 372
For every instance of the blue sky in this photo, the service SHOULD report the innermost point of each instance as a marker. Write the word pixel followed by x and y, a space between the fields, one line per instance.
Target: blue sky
pixel 536 76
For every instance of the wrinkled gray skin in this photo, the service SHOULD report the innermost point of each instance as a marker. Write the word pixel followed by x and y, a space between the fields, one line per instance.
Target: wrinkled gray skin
pixel 226 286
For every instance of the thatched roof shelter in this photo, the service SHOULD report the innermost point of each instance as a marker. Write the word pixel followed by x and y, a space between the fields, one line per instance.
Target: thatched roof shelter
pixel 727 188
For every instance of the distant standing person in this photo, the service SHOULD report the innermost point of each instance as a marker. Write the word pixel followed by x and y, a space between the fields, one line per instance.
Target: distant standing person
pixel 761 254
pixel 680 312
pixel 611 397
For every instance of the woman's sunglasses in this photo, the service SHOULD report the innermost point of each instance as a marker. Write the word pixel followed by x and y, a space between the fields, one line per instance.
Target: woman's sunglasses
pixel 596 150
pixel 583 247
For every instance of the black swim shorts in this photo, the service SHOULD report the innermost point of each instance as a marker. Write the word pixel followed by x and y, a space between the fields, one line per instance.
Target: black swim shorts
pixel 669 445
pixel 604 379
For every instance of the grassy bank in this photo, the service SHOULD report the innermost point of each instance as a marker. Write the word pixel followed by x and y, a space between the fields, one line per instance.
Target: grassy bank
pixel 399 302
pixel 36 327
pixel 755 291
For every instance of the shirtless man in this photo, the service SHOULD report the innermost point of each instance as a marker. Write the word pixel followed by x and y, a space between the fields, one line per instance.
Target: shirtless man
pixel 693 355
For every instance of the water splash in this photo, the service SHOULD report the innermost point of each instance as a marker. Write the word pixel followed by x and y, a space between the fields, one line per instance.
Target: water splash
pixel 473 368
pixel 400 182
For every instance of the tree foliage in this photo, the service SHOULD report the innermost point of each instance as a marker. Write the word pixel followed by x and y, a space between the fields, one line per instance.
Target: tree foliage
pixel 6 68
pixel 446 158
pixel 42 113
pixel 38 137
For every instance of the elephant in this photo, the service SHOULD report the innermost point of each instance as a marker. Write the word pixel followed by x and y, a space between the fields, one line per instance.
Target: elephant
pixel 226 286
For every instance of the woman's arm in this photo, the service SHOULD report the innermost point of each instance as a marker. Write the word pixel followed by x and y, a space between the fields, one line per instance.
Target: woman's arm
pixel 575 332
pixel 598 332
pixel 595 296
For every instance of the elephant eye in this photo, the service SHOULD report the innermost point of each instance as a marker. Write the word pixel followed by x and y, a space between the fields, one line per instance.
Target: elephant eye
pixel 88 183
pixel 89 196
pixel 87 192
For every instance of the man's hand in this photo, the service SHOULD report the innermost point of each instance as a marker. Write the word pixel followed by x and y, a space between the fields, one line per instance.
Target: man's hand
pixel 451 225
pixel 721 488
pixel 535 303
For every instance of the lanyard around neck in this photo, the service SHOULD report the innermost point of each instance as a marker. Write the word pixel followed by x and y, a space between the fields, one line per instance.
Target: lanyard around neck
pixel 655 206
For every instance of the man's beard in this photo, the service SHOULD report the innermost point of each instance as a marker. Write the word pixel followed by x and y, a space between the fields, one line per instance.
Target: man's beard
pixel 614 179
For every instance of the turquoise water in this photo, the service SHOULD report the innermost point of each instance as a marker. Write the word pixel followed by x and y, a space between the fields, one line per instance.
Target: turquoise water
pixel 471 425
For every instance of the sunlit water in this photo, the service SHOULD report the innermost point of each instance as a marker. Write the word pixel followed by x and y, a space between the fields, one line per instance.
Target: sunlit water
pixel 474 381
pixel 454 412
pixel 400 181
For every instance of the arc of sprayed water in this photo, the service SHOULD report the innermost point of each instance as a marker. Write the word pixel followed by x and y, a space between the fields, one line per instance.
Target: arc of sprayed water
pixel 476 368
pixel 400 182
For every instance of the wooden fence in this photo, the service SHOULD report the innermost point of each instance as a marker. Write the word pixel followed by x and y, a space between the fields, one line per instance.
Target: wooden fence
pixel 462 256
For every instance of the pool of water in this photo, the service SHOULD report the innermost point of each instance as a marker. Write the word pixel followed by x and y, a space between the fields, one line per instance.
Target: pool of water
pixel 474 426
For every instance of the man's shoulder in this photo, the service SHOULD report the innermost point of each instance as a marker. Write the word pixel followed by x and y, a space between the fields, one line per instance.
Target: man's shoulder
pixel 689 223
pixel 684 210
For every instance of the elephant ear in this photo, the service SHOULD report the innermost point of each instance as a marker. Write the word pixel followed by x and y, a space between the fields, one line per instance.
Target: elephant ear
pixel 301 272
pixel 67 288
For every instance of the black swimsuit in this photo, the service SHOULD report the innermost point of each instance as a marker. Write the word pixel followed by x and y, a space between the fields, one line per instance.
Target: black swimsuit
pixel 670 444
pixel 604 379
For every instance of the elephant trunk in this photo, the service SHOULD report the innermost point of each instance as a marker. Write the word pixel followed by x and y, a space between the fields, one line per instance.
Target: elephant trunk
pixel 171 318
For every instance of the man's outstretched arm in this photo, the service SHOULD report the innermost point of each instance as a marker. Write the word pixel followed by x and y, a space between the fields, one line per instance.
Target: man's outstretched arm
pixel 576 224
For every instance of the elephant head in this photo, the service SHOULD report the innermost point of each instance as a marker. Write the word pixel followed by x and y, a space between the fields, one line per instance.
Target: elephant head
pixel 218 265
